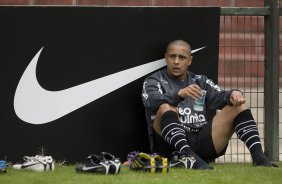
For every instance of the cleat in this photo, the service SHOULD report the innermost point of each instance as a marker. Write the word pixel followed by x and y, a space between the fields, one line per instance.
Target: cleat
pixel 3 167
pixel 130 157
pixel 265 163
pixel 143 162
pixel 36 163
pixel 94 164
pixel 262 161
pixel 161 164
pixel 113 162
pixel 182 161
pixel 187 161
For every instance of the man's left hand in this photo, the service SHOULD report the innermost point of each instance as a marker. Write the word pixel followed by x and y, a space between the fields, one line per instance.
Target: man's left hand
pixel 236 98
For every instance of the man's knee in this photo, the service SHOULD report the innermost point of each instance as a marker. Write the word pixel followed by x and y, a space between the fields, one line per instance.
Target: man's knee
pixel 166 107
pixel 162 109
pixel 233 111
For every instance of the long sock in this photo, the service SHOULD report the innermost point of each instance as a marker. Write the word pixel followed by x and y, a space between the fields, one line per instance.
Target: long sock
pixel 174 133
pixel 247 131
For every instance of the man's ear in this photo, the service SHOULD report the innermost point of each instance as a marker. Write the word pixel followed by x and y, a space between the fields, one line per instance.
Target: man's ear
pixel 165 58
pixel 190 60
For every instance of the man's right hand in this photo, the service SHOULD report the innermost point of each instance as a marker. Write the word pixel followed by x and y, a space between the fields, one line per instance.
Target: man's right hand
pixel 193 90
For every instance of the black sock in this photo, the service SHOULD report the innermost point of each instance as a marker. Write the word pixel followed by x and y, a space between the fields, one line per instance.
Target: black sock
pixel 173 132
pixel 246 129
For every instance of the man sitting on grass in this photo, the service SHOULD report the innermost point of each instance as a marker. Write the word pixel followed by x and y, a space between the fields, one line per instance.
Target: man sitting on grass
pixel 170 97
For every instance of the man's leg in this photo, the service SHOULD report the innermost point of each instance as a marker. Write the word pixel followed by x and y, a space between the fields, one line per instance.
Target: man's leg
pixel 240 120
pixel 167 125
pixel 222 126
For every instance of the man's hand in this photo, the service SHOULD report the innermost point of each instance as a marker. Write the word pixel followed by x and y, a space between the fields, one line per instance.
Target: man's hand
pixel 236 98
pixel 193 90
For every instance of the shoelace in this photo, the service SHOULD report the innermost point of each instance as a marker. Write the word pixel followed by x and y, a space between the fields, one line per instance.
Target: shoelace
pixel 154 154
pixel 30 159
pixel 132 155
pixel 38 158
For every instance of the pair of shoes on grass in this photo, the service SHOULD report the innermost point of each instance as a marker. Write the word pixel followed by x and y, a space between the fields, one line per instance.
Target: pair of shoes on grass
pixel 104 163
pixel 152 163
pixel 36 163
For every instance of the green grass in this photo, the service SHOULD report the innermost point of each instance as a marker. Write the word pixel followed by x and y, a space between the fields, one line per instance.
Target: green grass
pixel 228 173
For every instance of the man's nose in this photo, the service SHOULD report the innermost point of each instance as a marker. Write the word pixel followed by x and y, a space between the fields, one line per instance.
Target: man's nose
pixel 176 60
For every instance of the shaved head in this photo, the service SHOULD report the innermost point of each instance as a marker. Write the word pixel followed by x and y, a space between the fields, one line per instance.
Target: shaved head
pixel 178 59
pixel 180 43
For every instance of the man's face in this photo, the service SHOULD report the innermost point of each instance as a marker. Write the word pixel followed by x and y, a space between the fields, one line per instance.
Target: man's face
pixel 178 59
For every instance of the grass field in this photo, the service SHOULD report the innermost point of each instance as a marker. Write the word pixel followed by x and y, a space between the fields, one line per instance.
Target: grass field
pixel 227 173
